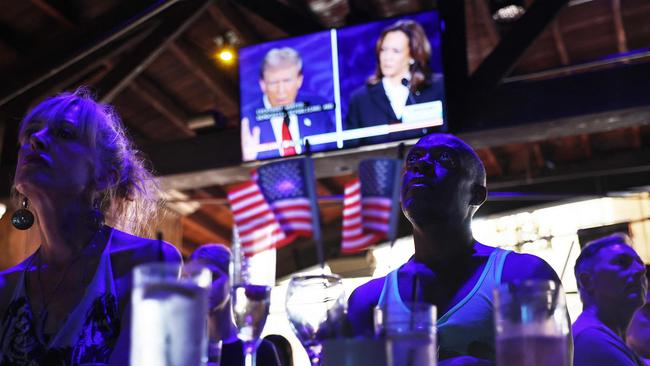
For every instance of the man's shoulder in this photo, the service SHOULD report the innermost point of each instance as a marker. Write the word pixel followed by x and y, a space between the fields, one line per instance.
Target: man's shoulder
pixel 595 345
pixel 364 91
pixel 522 266
pixel 369 292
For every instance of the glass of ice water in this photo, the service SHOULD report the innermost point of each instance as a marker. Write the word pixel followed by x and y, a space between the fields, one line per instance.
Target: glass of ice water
pixel 169 314
pixel 532 324
pixel 315 306
pixel 250 305
pixel 410 336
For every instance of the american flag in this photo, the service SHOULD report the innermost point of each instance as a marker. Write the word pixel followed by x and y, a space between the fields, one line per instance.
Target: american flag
pixel 368 212
pixel 284 185
pixel 258 227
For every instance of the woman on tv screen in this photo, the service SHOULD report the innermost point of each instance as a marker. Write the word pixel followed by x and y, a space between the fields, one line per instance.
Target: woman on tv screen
pixel 402 78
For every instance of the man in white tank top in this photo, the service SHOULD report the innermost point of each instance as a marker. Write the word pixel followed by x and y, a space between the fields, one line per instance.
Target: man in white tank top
pixel 443 184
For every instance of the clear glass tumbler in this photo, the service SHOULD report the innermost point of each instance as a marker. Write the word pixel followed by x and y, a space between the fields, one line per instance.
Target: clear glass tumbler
pixel 532 324
pixel 169 314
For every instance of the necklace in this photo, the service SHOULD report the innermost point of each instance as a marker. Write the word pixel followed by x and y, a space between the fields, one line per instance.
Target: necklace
pixel 45 301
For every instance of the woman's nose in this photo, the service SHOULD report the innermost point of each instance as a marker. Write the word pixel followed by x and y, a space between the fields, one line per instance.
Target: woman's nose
pixel 38 140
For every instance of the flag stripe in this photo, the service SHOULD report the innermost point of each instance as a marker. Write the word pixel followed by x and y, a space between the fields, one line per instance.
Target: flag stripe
pixel 258 228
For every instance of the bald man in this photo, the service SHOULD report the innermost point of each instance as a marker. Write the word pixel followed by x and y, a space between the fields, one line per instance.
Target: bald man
pixel 443 184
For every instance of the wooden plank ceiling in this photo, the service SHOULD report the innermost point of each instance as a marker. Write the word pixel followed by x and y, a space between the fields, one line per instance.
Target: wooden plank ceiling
pixel 154 61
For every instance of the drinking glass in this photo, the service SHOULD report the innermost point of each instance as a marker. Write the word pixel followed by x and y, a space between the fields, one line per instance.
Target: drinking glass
pixel 410 337
pixel 532 324
pixel 250 305
pixel 170 314
pixel 315 307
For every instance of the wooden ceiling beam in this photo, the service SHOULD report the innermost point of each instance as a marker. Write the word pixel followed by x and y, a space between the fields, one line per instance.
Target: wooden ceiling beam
pixel 198 233
pixel 488 23
pixel 586 144
pixel 538 155
pixel 162 102
pixel 180 17
pixel 56 13
pixel 512 46
pixel 491 160
pixel 201 66
pixel 282 16
pixel 15 40
pixel 621 39
pixel 559 43
pixel 127 21
pixel 222 12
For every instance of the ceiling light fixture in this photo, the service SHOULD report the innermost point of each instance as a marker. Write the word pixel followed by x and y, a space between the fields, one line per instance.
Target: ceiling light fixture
pixel 226 50
pixel 507 11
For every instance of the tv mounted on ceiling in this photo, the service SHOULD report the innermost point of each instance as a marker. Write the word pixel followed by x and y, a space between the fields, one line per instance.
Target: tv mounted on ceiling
pixel 374 83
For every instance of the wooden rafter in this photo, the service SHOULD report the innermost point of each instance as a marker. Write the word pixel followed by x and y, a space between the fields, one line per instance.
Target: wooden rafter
pixel 202 68
pixel 209 229
pixel 559 43
pixel 512 46
pixel 15 40
pixel 492 161
pixel 65 57
pixel 198 233
pixel 488 24
pixel 586 144
pixel 223 12
pixel 621 39
pixel 160 100
pixel 537 155
pixel 282 16
pixel 56 13
pixel 180 17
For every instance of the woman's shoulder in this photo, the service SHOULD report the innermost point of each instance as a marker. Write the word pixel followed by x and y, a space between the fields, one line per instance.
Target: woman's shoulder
pixel 140 250
pixel 9 278
pixel 366 89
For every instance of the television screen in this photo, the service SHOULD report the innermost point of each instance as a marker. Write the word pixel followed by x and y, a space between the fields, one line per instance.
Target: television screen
pixel 366 84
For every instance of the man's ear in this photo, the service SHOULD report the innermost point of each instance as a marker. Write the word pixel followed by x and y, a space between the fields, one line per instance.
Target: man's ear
pixel 262 85
pixel 479 195
pixel 300 79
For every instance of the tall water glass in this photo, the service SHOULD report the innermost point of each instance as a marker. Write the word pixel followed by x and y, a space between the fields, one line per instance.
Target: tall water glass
pixel 532 324
pixel 410 336
pixel 170 314
pixel 315 307
pixel 250 305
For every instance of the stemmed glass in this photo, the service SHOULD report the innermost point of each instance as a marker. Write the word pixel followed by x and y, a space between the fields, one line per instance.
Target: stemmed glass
pixel 316 310
pixel 250 305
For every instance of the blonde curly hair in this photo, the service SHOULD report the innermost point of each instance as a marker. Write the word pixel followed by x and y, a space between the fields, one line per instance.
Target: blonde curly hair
pixel 131 199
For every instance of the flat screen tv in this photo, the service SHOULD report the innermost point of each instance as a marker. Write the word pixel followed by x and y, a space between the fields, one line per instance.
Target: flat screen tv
pixel 367 84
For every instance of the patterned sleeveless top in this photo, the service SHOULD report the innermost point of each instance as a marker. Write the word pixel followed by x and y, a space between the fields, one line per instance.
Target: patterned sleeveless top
pixel 87 336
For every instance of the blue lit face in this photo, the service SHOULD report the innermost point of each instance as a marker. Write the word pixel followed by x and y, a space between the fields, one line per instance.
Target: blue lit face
pixel 54 157
pixel 436 182
pixel 618 277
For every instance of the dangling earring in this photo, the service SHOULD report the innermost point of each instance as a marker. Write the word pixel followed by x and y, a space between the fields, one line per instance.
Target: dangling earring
pixel 96 216
pixel 23 219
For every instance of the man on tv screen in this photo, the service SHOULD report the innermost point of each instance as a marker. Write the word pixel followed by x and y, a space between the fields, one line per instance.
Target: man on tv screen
pixel 283 120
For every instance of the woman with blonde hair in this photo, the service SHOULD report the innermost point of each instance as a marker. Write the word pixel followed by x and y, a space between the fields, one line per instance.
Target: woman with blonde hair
pixel 80 182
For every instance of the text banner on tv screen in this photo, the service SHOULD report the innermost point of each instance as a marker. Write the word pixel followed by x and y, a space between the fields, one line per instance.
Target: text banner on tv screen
pixel 366 84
